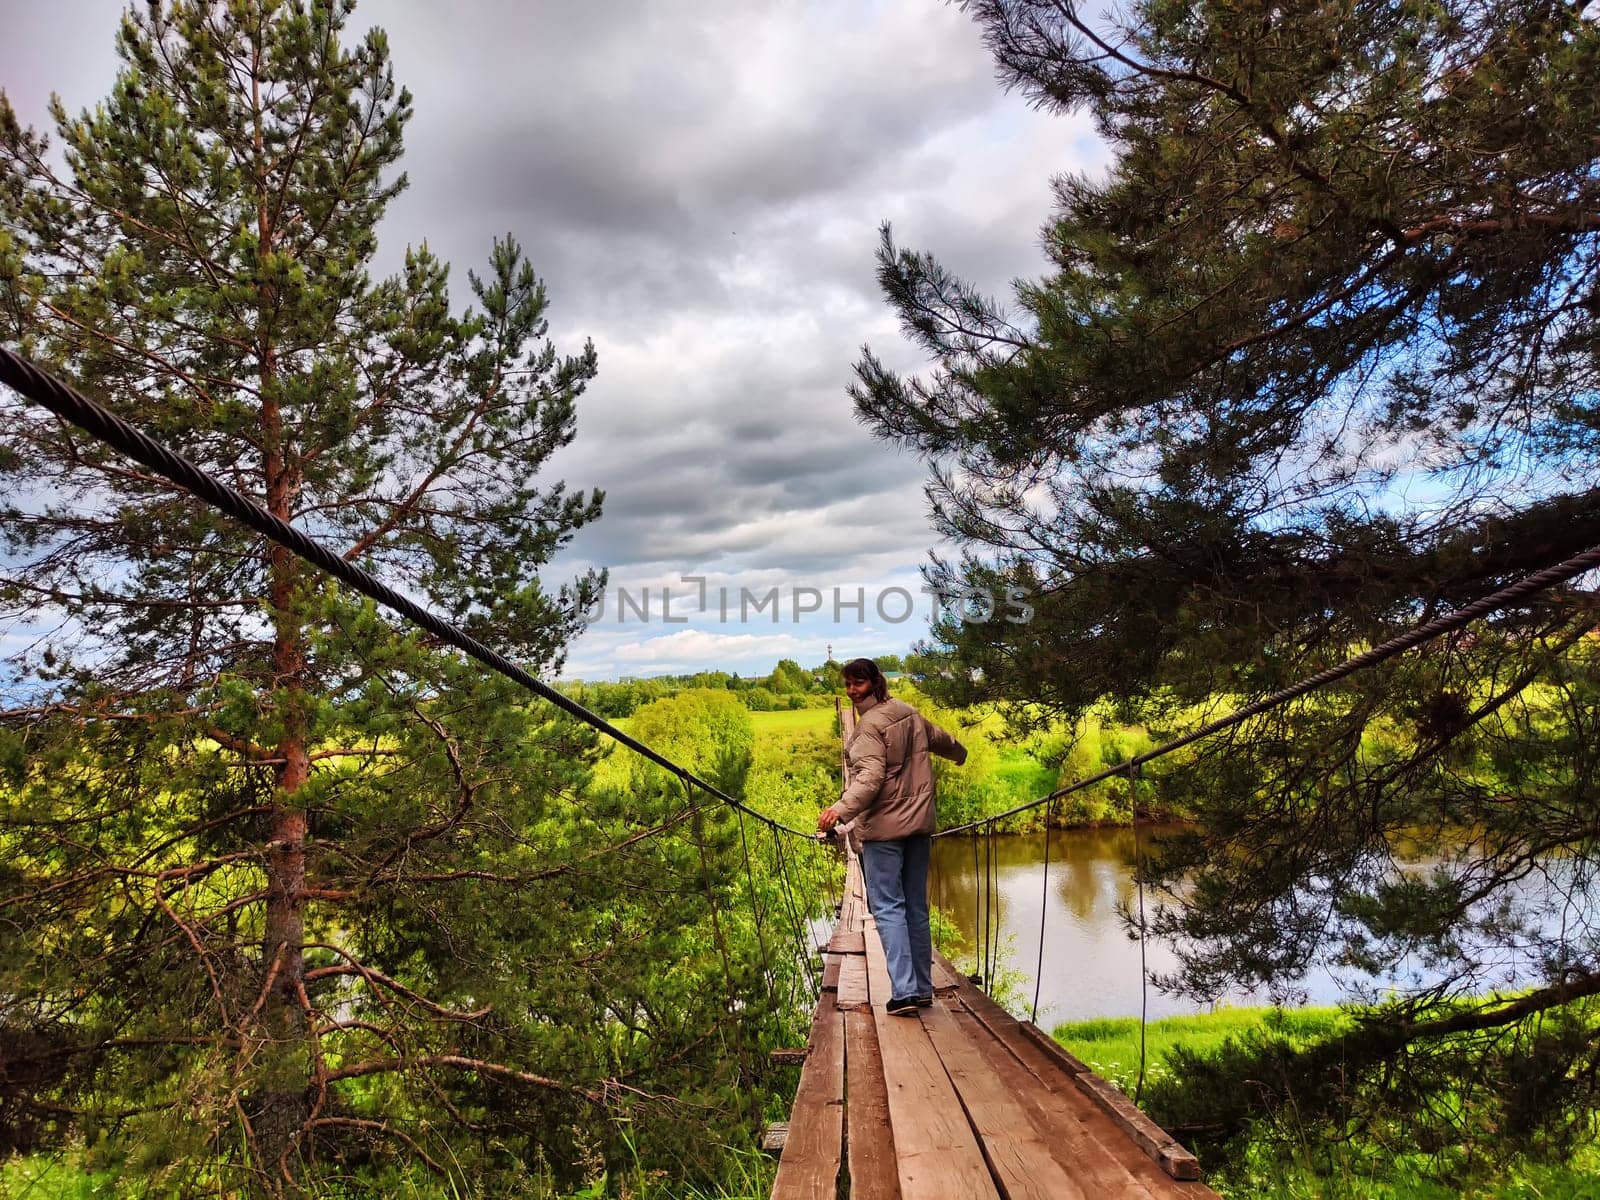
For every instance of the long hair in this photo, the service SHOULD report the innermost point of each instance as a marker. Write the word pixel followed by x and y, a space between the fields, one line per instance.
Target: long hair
pixel 867 670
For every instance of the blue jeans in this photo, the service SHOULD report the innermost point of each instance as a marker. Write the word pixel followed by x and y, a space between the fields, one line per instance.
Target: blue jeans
pixel 896 875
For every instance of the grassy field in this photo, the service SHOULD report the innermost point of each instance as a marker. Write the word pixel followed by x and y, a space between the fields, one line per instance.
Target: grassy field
pixel 800 720
pixel 999 773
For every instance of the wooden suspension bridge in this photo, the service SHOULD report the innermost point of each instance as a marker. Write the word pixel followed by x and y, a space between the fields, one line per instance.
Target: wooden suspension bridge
pixel 960 1102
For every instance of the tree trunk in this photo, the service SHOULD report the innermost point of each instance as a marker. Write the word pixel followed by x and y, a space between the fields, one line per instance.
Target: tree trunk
pixel 283 1105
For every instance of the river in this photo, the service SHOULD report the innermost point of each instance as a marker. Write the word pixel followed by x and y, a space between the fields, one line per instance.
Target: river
pixel 1091 967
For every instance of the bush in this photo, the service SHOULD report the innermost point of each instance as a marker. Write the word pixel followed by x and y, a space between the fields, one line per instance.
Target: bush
pixel 759 699
pixel 706 730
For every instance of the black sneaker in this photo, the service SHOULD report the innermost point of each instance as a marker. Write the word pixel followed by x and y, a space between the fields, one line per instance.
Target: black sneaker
pixel 924 1001
pixel 902 1008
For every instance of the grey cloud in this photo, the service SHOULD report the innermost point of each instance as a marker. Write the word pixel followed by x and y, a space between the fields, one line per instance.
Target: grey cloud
pixel 694 124
pixel 700 184
pixel 728 105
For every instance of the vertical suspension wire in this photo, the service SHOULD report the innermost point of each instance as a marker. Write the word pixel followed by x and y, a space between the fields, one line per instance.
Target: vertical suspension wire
pixel 755 907
pixel 802 941
pixel 813 961
pixel 988 906
pixel 983 893
pixel 826 852
pixel 991 926
pixel 786 912
pixel 1138 876
pixel 991 916
pixel 977 909
pixel 800 949
pixel 836 865
pixel 804 908
pixel 1044 905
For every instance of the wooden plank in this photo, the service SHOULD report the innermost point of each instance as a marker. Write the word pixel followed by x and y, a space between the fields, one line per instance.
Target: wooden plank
pixel 854 918
pixel 809 1168
pixel 944 974
pixel 935 1150
pixel 1001 1024
pixel 845 941
pixel 869 1139
pixel 830 972
pixel 1092 1133
pixel 1173 1157
pixel 852 991
pixel 1018 1156
pixel 1065 1120
pixel 774 1137
pixel 848 916
pixel 1162 1148
pixel 853 912
pixel 789 1058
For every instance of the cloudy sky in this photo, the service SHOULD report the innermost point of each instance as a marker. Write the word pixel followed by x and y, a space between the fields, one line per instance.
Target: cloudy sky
pixel 700 183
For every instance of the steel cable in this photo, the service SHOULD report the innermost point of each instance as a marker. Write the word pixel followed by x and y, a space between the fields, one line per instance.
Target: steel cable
pixel 71 406
pixel 1540 581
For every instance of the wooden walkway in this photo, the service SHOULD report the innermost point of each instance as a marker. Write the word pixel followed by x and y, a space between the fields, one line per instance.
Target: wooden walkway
pixel 960 1102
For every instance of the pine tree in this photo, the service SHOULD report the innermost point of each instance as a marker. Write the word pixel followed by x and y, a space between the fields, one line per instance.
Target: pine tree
pixel 250 830
pixel 1314 360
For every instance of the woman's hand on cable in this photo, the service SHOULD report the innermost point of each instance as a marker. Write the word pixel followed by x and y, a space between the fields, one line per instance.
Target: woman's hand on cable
pixel 828 818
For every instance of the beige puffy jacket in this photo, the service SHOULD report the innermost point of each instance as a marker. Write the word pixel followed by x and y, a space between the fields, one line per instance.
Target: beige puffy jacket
pixel 889 789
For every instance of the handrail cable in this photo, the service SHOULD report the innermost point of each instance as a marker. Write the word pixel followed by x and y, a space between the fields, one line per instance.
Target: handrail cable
pixel 73 407
pixel 1539 581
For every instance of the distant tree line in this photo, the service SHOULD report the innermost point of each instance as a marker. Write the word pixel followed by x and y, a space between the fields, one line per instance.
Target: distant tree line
pixel 787 686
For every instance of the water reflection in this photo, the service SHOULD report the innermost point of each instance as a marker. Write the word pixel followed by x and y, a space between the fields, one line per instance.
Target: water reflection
pixel 1091 967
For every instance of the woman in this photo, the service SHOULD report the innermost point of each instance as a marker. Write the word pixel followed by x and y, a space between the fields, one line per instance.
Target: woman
pixel 889 794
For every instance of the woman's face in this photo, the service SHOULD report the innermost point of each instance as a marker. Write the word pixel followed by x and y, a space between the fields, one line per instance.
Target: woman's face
pixel 857 689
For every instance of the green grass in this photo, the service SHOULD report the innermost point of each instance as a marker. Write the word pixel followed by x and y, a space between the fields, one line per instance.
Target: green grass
pixel 1111 1044
pixel 799 720
pixel 1023 775
pixel 63 1177
pixel 53 1177
pixel 1354 1174
pixel 783 740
